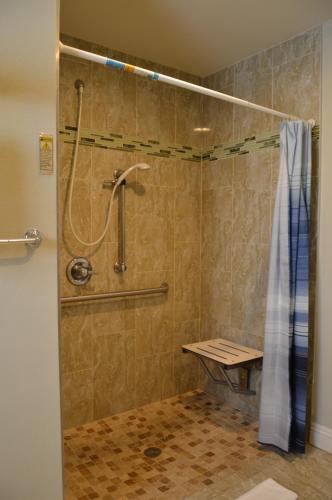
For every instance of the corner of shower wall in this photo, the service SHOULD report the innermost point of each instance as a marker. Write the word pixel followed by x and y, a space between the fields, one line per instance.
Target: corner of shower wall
pixel 239 179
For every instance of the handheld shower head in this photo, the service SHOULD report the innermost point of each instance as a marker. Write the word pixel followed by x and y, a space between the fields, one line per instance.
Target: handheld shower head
pixel 142 166
pixel 139 166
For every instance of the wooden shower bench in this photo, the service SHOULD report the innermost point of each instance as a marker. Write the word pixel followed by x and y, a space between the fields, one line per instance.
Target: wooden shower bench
pixel 227 356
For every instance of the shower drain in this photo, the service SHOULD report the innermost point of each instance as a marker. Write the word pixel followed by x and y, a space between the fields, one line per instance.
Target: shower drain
pixel 152 452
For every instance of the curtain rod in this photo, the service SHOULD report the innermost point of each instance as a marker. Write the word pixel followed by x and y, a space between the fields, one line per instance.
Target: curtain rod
pixel 152 75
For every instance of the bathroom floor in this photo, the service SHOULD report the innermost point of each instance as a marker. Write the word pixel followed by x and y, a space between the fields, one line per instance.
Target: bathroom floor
pixel 208 451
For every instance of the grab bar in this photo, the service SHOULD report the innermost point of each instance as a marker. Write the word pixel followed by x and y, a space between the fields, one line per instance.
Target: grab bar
pixel 163 288
pixel 32 238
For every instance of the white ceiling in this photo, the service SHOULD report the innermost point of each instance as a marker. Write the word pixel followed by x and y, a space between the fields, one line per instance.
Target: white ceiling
pixel 198 36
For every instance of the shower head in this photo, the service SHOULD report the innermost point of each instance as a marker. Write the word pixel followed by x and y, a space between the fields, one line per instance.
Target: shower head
pixel 139 166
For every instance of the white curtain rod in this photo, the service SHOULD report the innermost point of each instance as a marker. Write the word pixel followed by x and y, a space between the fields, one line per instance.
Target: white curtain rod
pixel 113 63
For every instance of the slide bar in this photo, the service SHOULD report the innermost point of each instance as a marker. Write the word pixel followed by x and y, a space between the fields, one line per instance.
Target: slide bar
pixel 113 63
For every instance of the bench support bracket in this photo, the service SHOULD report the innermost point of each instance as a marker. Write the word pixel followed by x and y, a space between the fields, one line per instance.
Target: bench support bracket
pixel 242 388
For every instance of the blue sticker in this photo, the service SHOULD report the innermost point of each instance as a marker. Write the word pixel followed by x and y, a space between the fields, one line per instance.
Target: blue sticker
pixel 115 64
pixel 154 76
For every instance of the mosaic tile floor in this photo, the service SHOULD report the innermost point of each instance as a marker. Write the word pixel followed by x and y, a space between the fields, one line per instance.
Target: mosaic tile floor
pixel 309 475
pixel 208 452
pixel 201 443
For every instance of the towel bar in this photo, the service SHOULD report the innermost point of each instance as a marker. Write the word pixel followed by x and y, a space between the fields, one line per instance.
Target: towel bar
pixel 32 238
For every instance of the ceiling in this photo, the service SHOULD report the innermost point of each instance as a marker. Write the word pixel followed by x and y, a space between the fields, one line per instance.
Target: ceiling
pixel 197 36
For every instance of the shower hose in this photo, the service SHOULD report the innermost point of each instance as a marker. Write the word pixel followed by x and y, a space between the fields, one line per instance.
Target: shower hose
pixel 72 181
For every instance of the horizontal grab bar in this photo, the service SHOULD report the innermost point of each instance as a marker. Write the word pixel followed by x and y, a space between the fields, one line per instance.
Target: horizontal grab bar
pixel 32 238
pixel 163 288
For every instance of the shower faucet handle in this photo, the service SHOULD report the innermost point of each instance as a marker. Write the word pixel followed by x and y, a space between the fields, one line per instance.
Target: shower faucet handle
pixel 79 271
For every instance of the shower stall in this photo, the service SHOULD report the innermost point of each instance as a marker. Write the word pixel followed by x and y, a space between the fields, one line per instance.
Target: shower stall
pixel 166 201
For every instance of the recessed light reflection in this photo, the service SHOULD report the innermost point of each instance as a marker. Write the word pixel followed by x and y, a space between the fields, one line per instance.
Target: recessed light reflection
pixel 202 129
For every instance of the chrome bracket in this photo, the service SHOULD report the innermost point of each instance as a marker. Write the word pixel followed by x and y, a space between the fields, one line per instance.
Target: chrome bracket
pixel 226 380
pixel 32 238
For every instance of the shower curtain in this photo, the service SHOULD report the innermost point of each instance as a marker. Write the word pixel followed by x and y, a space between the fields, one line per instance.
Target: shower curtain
pixel 283 409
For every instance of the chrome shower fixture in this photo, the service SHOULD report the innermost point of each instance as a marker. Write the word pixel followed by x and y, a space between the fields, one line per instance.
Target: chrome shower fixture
pixel 79 271
pixel 119 181
pixel 120 175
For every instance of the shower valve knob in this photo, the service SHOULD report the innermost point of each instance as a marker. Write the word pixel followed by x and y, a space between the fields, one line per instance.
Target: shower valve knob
pixel 79 271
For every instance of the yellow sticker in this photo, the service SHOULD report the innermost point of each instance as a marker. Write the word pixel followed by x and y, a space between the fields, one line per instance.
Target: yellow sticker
pixel 46 154
pixel 129 67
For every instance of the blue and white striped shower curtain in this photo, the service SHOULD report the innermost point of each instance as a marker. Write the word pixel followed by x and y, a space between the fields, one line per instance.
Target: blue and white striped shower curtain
pixel 283 410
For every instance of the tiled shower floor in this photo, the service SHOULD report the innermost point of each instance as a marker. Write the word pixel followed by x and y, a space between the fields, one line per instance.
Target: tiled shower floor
pixel 201 442
pixel 209 452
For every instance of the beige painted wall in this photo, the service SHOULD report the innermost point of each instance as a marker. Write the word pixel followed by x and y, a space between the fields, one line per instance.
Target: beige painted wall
pixel 30 430
pixel 322 435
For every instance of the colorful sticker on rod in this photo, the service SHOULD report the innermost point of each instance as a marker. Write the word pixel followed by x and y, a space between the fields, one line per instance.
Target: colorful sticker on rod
pixel 115 64
pixel 129 68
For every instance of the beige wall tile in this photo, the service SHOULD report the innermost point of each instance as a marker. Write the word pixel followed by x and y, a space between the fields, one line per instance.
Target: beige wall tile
pixel 187 274
pixel 162 172
pixel 188 117
pixel 154 243
pixel 186 332
pixel 253 82
pixel 154 328
pixel 155 110
pixel 114 373
pixel 218 201
pixel 251 216
pixel 76 339
pixel 296 87
pixel 112 317
pixel 216 245
pixel 217 174
pixel 114 100
pixel 217 116
pixel 221 79
pixel 167 378
pixel 77 398
pixel 186 370
pixel 253 171
pixel 83 171
pixel 72 69
pixel 297 47
pixel 148 381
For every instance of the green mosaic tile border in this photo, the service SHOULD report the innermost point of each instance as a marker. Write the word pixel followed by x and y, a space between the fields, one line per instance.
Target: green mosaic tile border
pixel 248 145
pixel 109 140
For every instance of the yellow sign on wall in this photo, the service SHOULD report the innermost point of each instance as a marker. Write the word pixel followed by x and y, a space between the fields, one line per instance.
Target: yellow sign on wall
pixel 46 154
